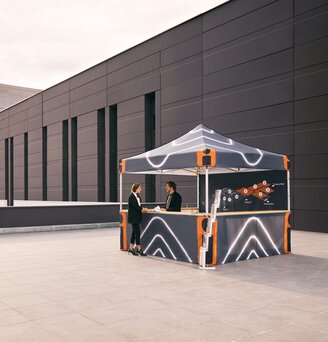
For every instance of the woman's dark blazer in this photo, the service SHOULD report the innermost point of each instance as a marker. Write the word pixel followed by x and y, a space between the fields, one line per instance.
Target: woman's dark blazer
pixel 134 210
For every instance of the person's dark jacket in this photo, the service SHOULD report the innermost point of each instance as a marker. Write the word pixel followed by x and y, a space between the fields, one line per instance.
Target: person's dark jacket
pixel 134 210
pixel 175 203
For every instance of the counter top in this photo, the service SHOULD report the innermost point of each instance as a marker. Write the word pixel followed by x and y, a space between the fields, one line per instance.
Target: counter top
pixel 230 213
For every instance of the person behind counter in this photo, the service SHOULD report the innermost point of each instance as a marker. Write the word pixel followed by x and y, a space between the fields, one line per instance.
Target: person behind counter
pixel 174 199
pixel 135 211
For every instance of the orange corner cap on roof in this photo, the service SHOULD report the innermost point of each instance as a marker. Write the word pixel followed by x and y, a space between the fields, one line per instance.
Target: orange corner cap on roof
pixel 286 161
pixel 122 166
pixel 206 157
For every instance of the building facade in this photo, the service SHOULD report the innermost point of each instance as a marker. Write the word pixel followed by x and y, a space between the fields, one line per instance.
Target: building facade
pixel 253 70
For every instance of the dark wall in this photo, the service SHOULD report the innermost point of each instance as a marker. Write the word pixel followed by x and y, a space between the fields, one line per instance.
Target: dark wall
pixel 254 70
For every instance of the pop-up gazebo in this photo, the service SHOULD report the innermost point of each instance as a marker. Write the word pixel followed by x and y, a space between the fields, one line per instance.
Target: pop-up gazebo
pixel 202 151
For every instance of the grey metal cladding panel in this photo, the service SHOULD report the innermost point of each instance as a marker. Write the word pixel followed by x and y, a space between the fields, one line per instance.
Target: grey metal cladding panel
pixel 302 6
pixel 34 171
pixel 135 140
pixel 134 70
pixel 86 76
pixel 56 90
pixel 88 104
pixel 134 88
pixel 87 179
pixel 254 119
pixel 87 134
pixel 258 45
pixel 18 128
pixel 86 120
pixel 54 129
pixel 277 140
pixel 4 133
pixel 56 102
pixel 229 11
pixel 311 166
pixel 35 158
pixel 311 194
pixel 311 53
pixel 311 110
pixel 311 220
pixel 278 63
pixel 55 169
pixel 311 81
pixel 182 91
pixel 17 118
pixel 87 149
pixel 131 124
pixel 133 105
pixel 35 111
pixel 267 94
pixel 311 26
pixel 35 122
pixel 140 51
pixel 56 115
pixel 191 111
pixel 172 132
pixel 88 195
pixel 87 165
pixel 257 20
pixel 181 72
pixel 181 32
pixel 311 138
pixel 88 89
pixel 181 51
pixel 54 142
pixel 34 135
pixel 54 155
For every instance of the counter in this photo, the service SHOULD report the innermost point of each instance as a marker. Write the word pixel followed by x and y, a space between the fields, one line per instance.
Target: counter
pixel 236 235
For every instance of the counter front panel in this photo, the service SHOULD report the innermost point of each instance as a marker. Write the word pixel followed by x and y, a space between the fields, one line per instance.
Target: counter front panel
pixel 235 237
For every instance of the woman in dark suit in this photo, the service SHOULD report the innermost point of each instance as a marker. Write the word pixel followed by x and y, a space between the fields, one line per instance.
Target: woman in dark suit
pixel 134 217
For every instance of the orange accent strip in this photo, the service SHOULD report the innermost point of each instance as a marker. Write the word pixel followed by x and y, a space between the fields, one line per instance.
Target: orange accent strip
pixel 200 233
pixel 200 154
pixel 215 242
pixel 122 164
pixel 286 161
pixel 286 228
pixel 123 227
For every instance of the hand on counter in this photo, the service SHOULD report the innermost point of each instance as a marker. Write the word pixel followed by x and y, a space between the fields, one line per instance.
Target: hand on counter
pixel 145 210
pixel 163 209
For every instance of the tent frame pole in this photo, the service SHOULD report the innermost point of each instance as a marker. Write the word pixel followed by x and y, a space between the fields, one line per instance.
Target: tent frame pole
pixel 197 190
pixel 121 179
pixel 288 189
pixel 206 190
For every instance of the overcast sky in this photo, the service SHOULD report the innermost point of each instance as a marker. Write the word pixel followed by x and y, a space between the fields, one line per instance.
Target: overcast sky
pixel 43 42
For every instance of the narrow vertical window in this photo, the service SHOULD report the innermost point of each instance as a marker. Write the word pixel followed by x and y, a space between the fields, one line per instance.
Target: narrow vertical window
pixel 65 159
pixel 44 164
pixel 113 167
pixel 26 166
pixel 74 157
pixel 101 154
pixel 150 180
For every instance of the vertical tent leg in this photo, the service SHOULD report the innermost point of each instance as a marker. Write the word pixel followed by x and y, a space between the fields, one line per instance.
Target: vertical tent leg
pixel 121 191
pixel 197 190
pixel 288 189
pixel 206 190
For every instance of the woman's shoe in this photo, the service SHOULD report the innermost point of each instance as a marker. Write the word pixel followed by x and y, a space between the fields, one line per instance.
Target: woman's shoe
pixel 141 253
pixel 132 251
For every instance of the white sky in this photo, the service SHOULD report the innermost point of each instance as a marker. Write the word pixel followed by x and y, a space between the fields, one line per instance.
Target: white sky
pixel 43 42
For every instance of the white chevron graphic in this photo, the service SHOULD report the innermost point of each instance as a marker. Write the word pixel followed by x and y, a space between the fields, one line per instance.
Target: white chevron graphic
pixel 252 237
pixel 252 252
pixel 167 245
pixel 230 142
pixel 253 218
pixel 170 230
pixel 160 251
